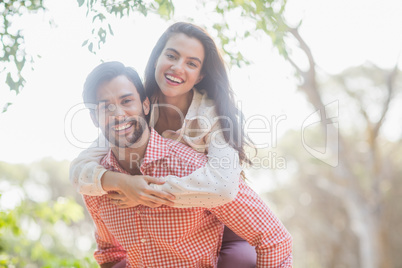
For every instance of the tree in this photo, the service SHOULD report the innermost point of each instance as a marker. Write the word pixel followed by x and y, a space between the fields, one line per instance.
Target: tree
pixel 356 182
pixel 361 194
pixel 12 51
pixel 36 216
pixel 13 57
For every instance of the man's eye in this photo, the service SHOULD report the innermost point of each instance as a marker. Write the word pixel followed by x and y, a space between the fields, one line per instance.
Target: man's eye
pixel 111 107
pixel 126 101
pixel 101 107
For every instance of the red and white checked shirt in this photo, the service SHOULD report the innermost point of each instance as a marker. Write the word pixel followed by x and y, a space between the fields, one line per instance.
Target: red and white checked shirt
pixel 182 237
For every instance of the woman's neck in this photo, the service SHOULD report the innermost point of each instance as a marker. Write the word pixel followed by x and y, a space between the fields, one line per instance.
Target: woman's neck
pixel 172 111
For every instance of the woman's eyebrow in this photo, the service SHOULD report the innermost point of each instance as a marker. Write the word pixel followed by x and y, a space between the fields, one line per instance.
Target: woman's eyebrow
pixel 177 52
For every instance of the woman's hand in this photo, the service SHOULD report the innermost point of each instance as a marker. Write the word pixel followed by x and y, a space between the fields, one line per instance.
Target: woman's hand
pixel 135 190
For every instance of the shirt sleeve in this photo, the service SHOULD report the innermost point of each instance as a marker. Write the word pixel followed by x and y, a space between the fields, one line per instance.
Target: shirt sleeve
pixel 211 185
pixel 86 171
pixel 108 248
pixel 249 217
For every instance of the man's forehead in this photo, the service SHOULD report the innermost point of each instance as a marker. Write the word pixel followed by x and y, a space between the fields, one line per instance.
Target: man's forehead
pixel 117 88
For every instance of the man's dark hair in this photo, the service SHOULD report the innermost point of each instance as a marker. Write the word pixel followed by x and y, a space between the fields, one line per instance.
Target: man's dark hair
pixel 106 72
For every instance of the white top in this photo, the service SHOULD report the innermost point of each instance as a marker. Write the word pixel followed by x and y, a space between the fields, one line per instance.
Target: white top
pixel 216 183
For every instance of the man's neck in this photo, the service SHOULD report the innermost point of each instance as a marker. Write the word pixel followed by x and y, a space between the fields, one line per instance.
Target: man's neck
pixel 130 158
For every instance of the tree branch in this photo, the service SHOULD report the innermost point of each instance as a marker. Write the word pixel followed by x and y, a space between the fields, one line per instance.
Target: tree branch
pixel 390 88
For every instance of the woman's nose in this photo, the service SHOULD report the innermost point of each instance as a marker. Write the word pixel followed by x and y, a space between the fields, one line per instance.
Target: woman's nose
pixel 177 67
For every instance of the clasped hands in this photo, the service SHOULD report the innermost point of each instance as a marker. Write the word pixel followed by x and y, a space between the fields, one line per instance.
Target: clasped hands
pixel 133 190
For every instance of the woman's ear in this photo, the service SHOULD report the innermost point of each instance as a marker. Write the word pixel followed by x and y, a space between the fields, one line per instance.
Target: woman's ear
pixel 200 77
pixel 146 106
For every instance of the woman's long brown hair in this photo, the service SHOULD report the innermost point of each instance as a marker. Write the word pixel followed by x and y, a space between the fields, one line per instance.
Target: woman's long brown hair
pixel 215 83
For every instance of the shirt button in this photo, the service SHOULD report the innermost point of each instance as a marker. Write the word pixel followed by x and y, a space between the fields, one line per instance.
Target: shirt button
pixel 143 240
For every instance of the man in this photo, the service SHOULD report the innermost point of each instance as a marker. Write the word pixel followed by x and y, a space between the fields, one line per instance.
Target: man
pixel 165 237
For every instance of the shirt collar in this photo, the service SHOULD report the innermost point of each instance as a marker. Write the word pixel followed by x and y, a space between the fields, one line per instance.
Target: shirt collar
pixel 191 113
pixel 157 148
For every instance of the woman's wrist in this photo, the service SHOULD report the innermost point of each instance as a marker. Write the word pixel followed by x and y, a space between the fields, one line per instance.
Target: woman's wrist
pixel 112 181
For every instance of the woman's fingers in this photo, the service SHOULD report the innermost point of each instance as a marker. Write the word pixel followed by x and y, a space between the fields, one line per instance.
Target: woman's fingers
pixel 147 200
pixel 154 180
pixel 116 196
pixel 159 201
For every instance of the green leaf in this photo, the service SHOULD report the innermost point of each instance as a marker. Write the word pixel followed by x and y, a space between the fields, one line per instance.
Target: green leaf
pixel 102 35
pixel 85 42
pixel 110 29
pixel 99 16
pixel 80 2
pixel 5 107
pixel 10 82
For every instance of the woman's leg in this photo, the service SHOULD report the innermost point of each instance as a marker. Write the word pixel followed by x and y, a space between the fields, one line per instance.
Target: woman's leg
pixel 236 252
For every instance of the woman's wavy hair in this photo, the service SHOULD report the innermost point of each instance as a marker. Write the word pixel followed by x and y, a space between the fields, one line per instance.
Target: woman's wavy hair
pixel 215 83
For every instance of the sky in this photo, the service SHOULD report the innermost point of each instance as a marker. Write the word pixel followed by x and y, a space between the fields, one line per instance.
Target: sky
pixel 48 120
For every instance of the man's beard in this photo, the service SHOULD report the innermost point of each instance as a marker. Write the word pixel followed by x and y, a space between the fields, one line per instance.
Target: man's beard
pixel 138 123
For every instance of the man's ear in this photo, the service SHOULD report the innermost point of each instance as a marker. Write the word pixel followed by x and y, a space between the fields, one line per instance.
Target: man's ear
pixel 146 106
pixel 94 119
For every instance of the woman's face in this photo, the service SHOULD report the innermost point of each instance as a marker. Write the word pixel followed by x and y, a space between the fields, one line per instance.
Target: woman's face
pixel 178 68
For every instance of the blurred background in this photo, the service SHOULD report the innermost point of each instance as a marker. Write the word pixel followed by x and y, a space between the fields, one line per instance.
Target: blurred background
pixel 319 83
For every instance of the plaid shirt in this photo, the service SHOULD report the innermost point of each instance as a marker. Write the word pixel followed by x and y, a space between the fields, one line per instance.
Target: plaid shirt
pixel 182 237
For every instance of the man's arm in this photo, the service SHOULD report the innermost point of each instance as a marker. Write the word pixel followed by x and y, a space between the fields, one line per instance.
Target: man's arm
pixel 249 217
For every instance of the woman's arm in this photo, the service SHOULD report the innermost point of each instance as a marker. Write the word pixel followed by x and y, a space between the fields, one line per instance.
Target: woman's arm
pixel 215 184
pixel 89 177
pixel 86 171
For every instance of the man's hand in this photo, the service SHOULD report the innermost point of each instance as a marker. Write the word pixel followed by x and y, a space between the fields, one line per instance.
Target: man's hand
pixel 135 190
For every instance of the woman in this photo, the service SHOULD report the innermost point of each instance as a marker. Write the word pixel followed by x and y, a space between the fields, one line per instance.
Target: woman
pixel 187 83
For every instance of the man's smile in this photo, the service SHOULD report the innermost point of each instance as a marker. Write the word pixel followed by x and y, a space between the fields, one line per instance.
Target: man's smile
pixel 123 126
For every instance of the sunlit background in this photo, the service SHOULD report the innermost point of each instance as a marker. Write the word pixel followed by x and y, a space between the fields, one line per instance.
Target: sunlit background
pixel 46 126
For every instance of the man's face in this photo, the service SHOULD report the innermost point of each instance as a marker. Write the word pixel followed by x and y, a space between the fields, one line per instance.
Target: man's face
pixel 120 114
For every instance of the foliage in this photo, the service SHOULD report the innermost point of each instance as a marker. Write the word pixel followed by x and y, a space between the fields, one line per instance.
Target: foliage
pixel 33 230
pixel 99 10
pixel 262 16
pixel 266 16
pixel 12 50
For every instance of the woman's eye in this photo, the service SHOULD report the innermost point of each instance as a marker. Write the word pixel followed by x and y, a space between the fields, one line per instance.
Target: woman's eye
pixel 170 56
pixel 192 64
